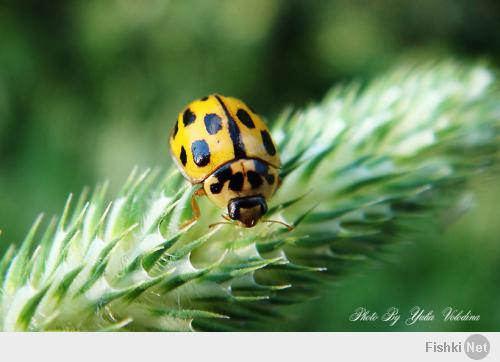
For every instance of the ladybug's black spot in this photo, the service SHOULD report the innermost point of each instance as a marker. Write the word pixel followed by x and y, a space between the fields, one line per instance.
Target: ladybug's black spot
pixel 213 123
pixel 176 129
pixel 188 117
pixel 268 143
pixel 201 153
pixel 254 179
pixel 223 174
pixel 245 118
pixel 183 156
pixel 216 188
pixel 204 99
pixel 238 145
pixel 261 168
pixel 234 133
pixel 236 182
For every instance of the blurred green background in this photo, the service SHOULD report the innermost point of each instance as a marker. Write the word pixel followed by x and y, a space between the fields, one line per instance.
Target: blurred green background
pixel 88 89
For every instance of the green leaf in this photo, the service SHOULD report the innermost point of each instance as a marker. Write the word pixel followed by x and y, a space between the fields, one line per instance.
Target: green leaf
pixel 28 311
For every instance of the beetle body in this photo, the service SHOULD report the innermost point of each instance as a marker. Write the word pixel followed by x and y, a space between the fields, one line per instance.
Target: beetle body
pixel 221 143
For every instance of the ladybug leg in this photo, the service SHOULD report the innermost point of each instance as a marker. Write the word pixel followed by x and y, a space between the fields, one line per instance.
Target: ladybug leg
pixel 195 207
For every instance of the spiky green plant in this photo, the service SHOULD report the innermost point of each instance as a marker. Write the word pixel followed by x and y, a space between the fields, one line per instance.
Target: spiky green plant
pixel 354 165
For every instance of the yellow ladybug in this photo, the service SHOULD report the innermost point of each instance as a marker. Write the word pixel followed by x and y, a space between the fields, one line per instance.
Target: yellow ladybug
pixel 221 143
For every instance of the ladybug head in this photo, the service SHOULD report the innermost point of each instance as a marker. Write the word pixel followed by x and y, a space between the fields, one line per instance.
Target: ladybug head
pixel 247 210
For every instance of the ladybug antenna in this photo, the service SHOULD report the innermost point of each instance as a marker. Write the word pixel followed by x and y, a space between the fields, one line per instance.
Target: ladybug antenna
pixel 220 223
pixel 289 227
